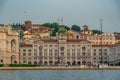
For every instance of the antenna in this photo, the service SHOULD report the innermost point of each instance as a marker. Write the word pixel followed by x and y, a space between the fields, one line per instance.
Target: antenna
pixel 62 20
pixel 101 42
pixel 58 44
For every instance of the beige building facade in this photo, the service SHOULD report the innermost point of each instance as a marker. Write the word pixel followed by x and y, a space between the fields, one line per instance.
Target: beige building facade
pixel 100 54
pixel 8 45
pixel 62 51
pixel 105 38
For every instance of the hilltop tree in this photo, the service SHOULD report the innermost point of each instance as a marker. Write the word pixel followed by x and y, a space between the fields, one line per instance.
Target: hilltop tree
pixel 46 24
pixel 76 28
pixel 96 32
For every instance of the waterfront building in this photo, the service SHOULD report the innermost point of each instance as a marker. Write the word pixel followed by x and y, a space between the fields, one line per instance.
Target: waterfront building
pixel 60 51
pixel 8 45
pixel 63 51
pixel 114 55
pixel 100 54
pixel 26 54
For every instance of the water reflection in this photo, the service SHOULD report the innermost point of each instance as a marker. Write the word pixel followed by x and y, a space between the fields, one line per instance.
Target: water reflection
pixel 60 75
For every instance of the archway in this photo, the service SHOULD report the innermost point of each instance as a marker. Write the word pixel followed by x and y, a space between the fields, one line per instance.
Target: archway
pixel 78 63
pixel 73 63
pixel 35 62
pixel 13 59
pixel 51 63
pixel 45 63
pixel 68 63
pixel 29 62
pixel 40 63
pixel 84 62
pixel 56 63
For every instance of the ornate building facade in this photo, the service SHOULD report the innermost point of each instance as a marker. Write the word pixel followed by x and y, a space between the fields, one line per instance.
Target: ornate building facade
pixel 60 51
pixel 8 45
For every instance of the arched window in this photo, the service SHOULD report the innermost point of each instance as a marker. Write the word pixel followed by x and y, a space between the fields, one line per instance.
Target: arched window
pixel 77 37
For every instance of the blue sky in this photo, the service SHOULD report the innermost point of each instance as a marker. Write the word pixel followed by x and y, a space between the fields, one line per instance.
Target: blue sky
pixel 79 12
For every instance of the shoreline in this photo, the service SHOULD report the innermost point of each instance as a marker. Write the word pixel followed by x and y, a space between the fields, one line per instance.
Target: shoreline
pixel 56 68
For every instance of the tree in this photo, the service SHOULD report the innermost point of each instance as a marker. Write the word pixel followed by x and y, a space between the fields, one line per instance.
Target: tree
pixel 46 24
pixel 66 27
pixel 23 27
pixel 21 34
pixel 53 33
pixel 96 32
pixel 75 28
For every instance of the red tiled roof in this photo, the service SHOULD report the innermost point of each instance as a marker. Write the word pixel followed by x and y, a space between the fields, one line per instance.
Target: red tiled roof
pixel 106 45
pixel 68 40
pixel 49 40
pixel 32 25
pixel 76 40
pixel 26 45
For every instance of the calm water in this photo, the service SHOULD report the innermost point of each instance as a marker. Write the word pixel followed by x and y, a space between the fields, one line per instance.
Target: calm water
pixel 60 75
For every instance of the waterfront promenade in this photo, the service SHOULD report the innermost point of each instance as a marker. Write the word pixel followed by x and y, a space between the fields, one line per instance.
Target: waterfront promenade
pixel 57 68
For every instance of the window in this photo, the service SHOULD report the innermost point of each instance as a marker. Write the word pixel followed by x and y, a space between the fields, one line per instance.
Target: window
pixel 50 45
pixel 24 50
pixel 35 50
pixel 50 50
pixel 55 45
pixel 40 53
pixel 24 54
pixel 83 48
pixel 105 49
pixel 68 54
pixel 45 50
pixel 62 48
pixel 55 54
pixel 83 54
pixel 73 54
pixel 50 54
pixel 29 58
pixel 77 36
pixel 94 50
pixel 94 58
pixel 35 54
pixel 45 54
pixel 45 45
pixel 105 54
pixel 78 50
pixel 94 54
pixel 73 45
pixel 100 50
pixel 55 50
pixel 29 54
pixel 62 54
pixel 29 50
pixel 78 45
pixel 73 50
pixel 68 50
pixel 68 45
pixel 78 54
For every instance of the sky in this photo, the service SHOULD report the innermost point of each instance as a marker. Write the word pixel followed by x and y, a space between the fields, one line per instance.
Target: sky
pixel 78 12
